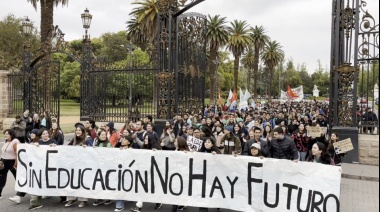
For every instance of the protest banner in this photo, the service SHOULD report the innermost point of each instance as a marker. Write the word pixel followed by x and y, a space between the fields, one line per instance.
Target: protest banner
pixel 194 143
pixel 343 146
pixel 240 183
pixel 314 131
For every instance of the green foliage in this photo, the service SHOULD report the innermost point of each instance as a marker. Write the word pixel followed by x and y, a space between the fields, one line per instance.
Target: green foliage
pixel 368 77
pixel 11 42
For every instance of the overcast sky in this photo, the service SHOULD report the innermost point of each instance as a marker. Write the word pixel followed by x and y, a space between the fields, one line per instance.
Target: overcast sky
pixel 303 27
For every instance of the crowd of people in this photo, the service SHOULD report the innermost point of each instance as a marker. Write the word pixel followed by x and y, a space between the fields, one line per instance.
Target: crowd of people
pixel 271 130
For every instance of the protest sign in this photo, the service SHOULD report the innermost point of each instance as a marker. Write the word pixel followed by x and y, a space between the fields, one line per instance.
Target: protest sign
pixel 314 131
pixel 343 146
pixel 194 143
pixel 240 183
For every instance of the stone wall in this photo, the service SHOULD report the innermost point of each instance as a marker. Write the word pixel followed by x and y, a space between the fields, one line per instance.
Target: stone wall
pixel 369 149
pixel 4 96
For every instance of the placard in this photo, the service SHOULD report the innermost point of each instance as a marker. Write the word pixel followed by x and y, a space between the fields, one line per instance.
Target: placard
pixel 194 143
pixel 343 146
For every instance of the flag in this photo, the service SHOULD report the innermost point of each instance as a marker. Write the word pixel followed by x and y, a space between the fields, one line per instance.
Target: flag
pixel 247 95
pixel 234 98
pixel 229 98
pixel 241 95
pixel 291 94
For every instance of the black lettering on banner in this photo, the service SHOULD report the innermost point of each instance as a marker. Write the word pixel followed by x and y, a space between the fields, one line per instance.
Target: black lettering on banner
pixel 315 204
pixel 171 184
pixel 219 186
pixel 30 174
pixel 326 200
pixel 24 165
pixel 164 182
pixel 98 178
pixel 119 178
pixel 197 177
pixel 72 186
pixel 82 178
pixel 38 179
pixel 47 168
pixel 59 177
pixel 266 196
pixel 108 180
pixel 123 180
pixel 290 189
pixel 299 200
pixel 251 180
pixel 144 183
pixel 232 183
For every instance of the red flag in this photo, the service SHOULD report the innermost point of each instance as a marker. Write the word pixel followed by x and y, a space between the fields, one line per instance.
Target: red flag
pixel 291 93
pixel 234 97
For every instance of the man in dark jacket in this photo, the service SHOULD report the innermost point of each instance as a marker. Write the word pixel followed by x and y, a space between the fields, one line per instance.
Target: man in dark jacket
pixel 263 144
pixel 282 147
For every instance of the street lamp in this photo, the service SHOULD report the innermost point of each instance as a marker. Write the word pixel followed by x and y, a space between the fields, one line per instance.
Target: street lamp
pixel 130 50
pixel 86 21
pixel 27 27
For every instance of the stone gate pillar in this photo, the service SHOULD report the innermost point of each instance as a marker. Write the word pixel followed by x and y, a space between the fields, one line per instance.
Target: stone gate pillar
pixel 4 96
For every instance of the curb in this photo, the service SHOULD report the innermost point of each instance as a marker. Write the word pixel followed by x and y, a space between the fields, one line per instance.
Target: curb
pixel 365 178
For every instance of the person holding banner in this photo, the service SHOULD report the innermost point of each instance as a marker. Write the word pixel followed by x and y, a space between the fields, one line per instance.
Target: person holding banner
pixel 80 139
pixel 264 148
pixel 180 145
pixel 256 150
pixel 8 157
pixel 282 147
pixel 35 201
pixel 320 154
pixel 230 144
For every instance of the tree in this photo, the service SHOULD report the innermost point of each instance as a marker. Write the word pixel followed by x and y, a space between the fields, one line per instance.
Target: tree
pixel 145 15
pixel 248 63
pixel 217 36
pixel 47 14
pixel 272 56
pixel 259 38
pixel 238 42
pixel 11 42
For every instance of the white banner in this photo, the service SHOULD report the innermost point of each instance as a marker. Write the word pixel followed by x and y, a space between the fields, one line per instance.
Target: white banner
pixel 240 183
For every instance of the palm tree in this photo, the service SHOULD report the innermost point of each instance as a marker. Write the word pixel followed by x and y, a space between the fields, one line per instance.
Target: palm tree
pixel 248 62
pixel 135 34
pixel 47 14
pixel 146 14
pixel 272 56
pixel 238 42
pixel 217 36
pixel 258 40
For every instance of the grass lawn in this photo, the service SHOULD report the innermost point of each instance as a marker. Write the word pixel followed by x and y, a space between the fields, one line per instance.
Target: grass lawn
pixel 69 108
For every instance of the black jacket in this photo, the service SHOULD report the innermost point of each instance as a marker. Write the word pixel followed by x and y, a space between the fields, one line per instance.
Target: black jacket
pixel 283 149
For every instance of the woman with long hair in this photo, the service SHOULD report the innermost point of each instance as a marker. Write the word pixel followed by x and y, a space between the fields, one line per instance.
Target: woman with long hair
pixel 8 157
pixel 102 141
pixel 80 139
pixel 335 153
pixel 112 134
pixel 238 132
pixel 302 141
pixel 218 134
pixel 168 138
pixel 56 133
pixel 320 154
pixel 267 135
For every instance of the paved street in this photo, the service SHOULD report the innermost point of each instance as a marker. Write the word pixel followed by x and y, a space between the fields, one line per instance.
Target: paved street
pixel 356 195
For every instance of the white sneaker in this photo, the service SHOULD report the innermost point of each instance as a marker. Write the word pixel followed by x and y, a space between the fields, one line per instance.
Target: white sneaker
pixel 16 199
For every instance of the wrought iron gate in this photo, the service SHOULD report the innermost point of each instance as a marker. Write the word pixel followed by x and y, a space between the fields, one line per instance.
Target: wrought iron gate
pixel 355 66
pixel 182 53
